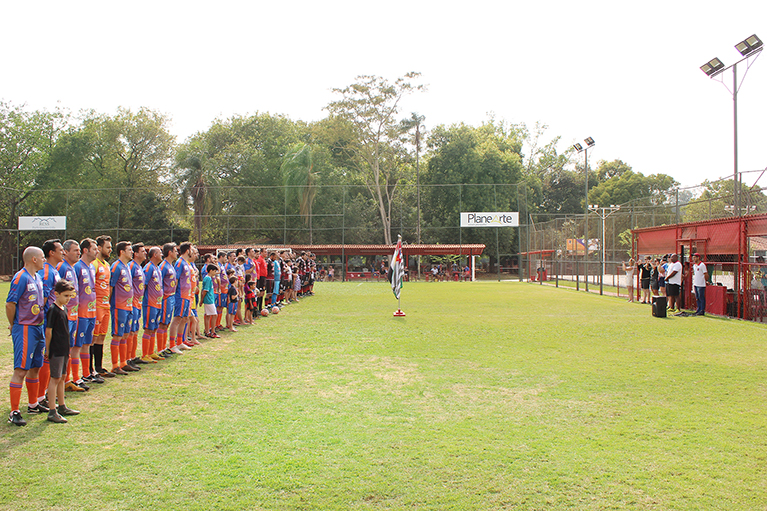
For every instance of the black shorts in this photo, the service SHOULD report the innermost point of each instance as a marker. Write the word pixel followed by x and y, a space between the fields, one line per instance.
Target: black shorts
pixel 645 283
pixel 654 284
pixel 672 289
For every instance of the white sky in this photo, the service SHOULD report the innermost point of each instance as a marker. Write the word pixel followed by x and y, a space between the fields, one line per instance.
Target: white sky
pixel 625 73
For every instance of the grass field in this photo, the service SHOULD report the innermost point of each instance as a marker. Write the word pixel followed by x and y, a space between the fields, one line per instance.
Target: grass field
pixel 486 396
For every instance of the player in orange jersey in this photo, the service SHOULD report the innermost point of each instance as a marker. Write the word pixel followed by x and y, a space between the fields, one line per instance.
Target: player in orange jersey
pixel 101 269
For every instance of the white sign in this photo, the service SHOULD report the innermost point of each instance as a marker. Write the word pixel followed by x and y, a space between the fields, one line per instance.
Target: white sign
pixel 494 219
pixel 42 223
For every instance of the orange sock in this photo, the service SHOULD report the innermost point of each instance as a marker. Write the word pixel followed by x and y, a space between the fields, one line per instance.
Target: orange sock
pixel 45 378
pixel 161 339
pixel 32 390
pixel 151 344
pixel 218 319
pixel 15 396
pixel 85 363
pixel 74 365
pixel 114 349
pixel 145 339
pixel 132 345
pixel 123 352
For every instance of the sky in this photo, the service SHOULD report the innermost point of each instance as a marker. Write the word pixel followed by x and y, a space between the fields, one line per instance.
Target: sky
pixel 626 74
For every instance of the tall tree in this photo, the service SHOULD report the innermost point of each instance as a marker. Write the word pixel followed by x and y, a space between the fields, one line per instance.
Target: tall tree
pixel 371 135
pixel 300 175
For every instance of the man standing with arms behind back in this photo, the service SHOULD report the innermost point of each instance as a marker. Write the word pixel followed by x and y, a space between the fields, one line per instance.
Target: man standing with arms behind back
pixel 699 279
pixel 121 301
pixel 674 283
pixel 101 268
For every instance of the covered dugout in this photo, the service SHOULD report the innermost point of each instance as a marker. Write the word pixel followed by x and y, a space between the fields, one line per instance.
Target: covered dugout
pixel 731 249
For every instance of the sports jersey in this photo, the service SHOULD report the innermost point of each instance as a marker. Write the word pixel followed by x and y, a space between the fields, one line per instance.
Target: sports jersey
pixel 153 290
pixel 169 281
pixel 223 283
pixel 301 266
pixel 261 265
pixel 27 293
pixel 249 264
pixel 122 287
pixel 86 291
pixel 184 272
pixel 277 269
pixel 137 275
pixel 49 275
pixel 102 271
pixel 66 271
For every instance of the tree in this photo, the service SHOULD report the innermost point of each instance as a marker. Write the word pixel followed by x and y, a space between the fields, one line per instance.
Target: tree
pixel 717 201
pixel 299 173
pixel 625 185
pixel 26 141
pixel 369 133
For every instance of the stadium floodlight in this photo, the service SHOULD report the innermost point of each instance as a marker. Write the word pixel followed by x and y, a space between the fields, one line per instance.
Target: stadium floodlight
pixel 713 67
pixel 590 142
pixel 578 147
pixel 585 150
pixel 749 46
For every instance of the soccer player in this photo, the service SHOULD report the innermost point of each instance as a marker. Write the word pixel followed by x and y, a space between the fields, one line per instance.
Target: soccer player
pixel 152 305
pixel 193 324
pixel 54 254
pixel 67 271
pixel 86 312
pixel 276 273
pixel 121 303
pixel 261 282
pixel 24 310
pixel 101 268
pixel 169 283
pixel 137 276
pixel 183 297
pixel 221 288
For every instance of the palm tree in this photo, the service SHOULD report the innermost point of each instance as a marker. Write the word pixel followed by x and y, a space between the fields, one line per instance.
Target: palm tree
pixel 198 185
pixel 298 173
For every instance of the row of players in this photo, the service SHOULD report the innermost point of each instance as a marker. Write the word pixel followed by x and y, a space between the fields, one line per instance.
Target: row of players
pixel 159 284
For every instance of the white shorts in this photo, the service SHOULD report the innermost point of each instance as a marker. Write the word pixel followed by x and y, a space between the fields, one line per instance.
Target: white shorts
pixel 210 309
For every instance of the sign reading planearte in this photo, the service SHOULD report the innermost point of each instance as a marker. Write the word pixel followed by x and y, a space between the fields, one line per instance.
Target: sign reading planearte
pixel 495 219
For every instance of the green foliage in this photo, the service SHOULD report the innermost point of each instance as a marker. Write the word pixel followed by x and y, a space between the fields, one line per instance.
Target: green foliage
pixel 717 201
pixel 623 185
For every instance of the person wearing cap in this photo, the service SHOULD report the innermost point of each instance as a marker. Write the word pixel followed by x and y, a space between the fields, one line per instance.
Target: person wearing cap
pixel 699 279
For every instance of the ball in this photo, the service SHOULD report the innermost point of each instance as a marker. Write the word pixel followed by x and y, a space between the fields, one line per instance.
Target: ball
pixel 264 312
pixel 275 310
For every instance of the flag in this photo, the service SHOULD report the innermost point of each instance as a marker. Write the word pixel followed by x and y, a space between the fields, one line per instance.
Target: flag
pixel 397 268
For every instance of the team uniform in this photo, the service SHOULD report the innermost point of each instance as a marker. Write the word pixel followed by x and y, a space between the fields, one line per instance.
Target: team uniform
pixel 138 278
pixel 86 319
pixel 169 284
pixel 121 302
pixel 152 302
pixel 184 289
pixel 67 272
pixel 102 273
pixel 49 275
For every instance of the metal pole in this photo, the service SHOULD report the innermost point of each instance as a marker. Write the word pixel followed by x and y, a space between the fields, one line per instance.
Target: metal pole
pixel 586 223
pixel 736 191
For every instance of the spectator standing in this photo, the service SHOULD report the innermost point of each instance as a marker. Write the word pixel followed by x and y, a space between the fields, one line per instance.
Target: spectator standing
pixel 645 272
pixel 674 283
pixel 629 269
pixel 699 279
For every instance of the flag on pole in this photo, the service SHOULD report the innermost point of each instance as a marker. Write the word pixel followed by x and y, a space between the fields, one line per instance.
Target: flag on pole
pixel 397 268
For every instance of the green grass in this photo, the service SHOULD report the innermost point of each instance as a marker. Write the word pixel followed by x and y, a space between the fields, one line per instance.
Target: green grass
pixel 486 396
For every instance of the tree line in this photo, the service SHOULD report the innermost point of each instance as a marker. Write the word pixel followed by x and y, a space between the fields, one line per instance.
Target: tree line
pixel 268 178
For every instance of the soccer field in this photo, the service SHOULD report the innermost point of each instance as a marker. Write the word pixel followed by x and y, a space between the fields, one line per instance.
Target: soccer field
pixel 487 395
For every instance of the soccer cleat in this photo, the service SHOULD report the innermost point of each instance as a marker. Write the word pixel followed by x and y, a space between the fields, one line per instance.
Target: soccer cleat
pixel 80 383
pixel 87 379
pixel 65 410
pixel 16 418
pixel 129 368
pixel 157 357
pixel 37 409
pixel 54 416
pixel 148 360
pixel 119 371
pixel 73 387
pixel 139 360
pixel 96 378
pixel 108 374
pixel 43 402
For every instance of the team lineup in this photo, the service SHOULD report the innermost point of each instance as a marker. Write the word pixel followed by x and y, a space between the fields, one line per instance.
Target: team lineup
pixel 61 303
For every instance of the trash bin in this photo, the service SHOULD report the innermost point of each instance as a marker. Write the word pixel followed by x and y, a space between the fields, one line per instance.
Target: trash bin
pixel 659 306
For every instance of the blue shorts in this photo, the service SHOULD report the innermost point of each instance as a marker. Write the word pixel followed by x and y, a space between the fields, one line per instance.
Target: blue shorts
pixel 661 282
pixel 28 346
pixel 232 308
pixel 166 313
pixel 181 308
pixel 194 312
pixel 136 317
pixel 72 333
pixel 151 317
pixel 220 300
pixel 121 322
pixel 85 328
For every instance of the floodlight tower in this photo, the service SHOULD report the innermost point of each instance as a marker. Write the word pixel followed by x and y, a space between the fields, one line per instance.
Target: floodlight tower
pixel 585 150
pixel 606 211
pixel 750 47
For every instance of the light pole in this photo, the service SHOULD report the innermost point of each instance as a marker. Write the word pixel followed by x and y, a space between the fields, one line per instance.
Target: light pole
pixel 606 211
pixel 585 150
pixel 750 47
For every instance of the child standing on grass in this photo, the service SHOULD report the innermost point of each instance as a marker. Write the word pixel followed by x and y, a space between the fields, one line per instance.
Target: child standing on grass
pixel 57 350
pixel 231 310
pixel 209 302
pixel 250 300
